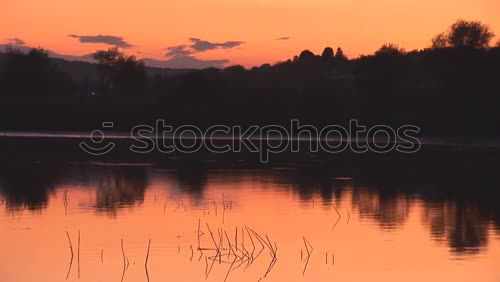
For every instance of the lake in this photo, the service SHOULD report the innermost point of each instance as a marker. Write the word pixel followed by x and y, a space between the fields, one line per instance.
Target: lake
pixel 67 216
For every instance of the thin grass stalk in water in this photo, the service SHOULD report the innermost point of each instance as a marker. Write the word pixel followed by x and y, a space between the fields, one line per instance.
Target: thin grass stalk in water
pixel 71 260
pixel 146 261
pixel 78 254
pixel 124 260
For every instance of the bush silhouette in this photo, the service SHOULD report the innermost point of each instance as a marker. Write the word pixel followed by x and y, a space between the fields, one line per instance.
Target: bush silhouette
pixel 389 50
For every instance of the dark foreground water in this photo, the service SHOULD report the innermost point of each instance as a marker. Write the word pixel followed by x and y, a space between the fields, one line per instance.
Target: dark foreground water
pixel 430 216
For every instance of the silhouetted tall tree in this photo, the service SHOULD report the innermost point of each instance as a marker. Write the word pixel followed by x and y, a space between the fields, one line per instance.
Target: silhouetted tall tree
pixel 464 34
pixel 327 54
pixel 120 73
pixel 339 55
pixel 107 60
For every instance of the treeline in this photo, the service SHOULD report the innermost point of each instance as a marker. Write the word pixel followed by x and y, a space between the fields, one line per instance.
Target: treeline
pixel 448 88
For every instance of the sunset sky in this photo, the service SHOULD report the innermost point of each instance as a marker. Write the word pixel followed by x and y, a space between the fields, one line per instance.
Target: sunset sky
pixel 247 32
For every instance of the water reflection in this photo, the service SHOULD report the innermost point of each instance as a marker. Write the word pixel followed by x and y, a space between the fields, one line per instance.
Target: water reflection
pixel 192 179
pixel 460 224
pixel 458 200
pixel 28 185
pixel 389 211
pixel 117 186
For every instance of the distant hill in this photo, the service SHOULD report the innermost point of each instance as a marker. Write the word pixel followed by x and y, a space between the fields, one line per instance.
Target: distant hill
pixel 79 70
pixel 82 68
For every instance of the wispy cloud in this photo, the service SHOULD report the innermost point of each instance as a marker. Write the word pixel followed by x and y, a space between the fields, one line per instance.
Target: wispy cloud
pixel 105 39
pixel 197 45
pixel 283 38
pixel 15 41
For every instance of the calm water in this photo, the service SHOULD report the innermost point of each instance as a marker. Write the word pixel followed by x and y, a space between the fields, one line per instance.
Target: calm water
pixel 433 216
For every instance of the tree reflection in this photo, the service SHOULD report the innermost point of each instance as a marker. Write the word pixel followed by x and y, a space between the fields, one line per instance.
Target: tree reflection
pixel 28 185
pixel 459 201
pixel 459 223
pixel 390 211
pixel 192 179
pixel 120 186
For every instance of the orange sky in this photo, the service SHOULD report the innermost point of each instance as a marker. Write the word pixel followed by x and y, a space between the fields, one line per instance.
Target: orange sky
pixel 359 26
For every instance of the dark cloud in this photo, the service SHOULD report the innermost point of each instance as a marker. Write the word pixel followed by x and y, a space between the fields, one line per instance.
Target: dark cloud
pixel 283 38
pixel 15 41
pixel 106 39
pixel 199 45
pixel 181 50
pixel 202 45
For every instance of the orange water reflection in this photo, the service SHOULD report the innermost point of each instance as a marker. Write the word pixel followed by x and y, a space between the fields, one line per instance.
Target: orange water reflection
pixel 357 233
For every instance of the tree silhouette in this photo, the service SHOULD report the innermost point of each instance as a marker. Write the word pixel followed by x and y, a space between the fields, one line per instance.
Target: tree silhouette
pixel 339 55
pixel 327 54
pixel 306 56
pixel 390 86
pixel 235 69
pixel 464 34
pixel 108 57
pixel 440 41
pixel 119 72
pixel 107 60
pixel 389 50
pixel 32 74
pixel 130 78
